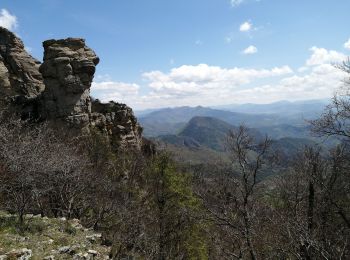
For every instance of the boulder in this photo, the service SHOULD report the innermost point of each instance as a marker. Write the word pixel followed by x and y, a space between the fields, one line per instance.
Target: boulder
pixel 92 252
pixel 64 249
pixel 81 256
pixel 94 237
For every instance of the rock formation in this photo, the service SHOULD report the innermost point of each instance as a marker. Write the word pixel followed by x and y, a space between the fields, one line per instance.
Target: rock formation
pixel 58 90
pixel 20 79
pixel 68 71
pixel 118 121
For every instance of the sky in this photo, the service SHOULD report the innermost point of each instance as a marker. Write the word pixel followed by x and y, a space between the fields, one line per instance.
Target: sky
pixel 162 53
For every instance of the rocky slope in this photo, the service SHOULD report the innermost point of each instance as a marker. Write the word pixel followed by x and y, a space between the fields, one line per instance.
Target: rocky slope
pixel 58 90
pixel 49 238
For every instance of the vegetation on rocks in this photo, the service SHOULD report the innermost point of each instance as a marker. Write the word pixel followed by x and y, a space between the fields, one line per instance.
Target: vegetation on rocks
pixel 48 238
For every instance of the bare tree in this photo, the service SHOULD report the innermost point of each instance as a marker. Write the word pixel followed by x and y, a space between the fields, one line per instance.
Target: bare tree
pixel 231 199
pixel 335 120
pixel 305 207
pixel 43 173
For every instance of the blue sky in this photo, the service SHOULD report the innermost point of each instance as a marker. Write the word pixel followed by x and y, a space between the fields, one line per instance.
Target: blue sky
pixel 159 53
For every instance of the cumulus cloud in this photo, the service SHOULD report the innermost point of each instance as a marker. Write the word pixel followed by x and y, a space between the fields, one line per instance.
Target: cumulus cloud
pixel 321 82
pixel 321 56
pixel 236 3
pixel 8 20
pixel 250 50
pixel 245 27
pixel 207 85
pixel 303 69
pixel 117 91
pixel 347 44
pixel 201 84
pixel 184 85
pixel 193 79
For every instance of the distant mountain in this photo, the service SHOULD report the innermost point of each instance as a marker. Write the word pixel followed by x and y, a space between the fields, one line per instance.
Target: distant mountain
pixel 290 145
pixel 283 119
pixel 285 130
pixel 207 136
pixel 209 132
pixel 177 140
pixel 306 108
pixel 141 113
pixel 172 120
pixel 192 155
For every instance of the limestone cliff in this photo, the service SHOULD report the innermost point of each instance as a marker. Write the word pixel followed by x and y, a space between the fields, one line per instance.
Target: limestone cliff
pixel 58 90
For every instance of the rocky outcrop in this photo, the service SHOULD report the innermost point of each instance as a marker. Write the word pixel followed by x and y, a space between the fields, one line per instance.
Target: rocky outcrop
pixel 22 254
pixel 20 79
pixel 59 238
pixel 58 90
pixel 68 70
pixel 118 122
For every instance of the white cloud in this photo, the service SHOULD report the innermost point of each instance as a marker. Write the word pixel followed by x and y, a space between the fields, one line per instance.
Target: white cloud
pixel 102 78
pixel 207 85
pixel 8 20
pixel 202 85
pixel 236 3
pixel 321 82
pixel 184 85
pixel 347 44
pixel 303 69
pixel 250 50
pixel 203 82
pixel 245 27
pixel 322 56
pixel 117 91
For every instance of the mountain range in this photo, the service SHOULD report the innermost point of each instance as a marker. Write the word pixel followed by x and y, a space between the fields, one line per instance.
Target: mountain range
pixel 211 133
pixel 203 130
pixel 278 120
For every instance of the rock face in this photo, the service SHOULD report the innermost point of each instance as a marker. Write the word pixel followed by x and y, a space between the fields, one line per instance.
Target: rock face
pixel 68 70
pixel 118 122
pixel 20 79
pixel 58 90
